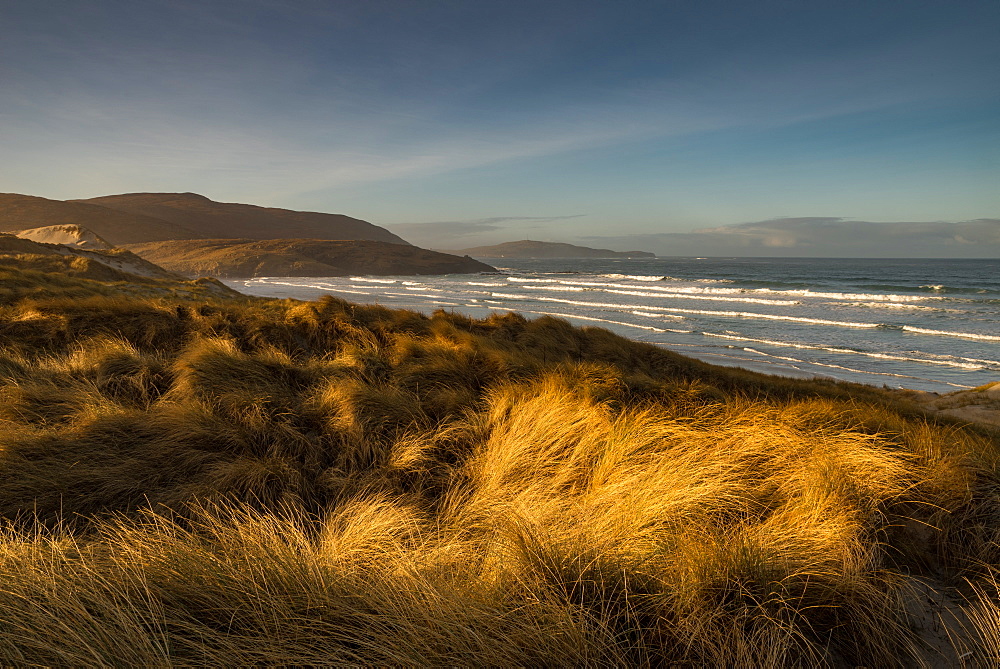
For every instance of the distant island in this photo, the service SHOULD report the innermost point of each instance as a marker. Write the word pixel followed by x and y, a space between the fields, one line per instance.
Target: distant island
pixel 532 249
pixel 247 258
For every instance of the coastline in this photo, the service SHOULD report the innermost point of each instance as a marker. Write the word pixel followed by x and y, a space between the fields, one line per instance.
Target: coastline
pixel 980 405
pixel 902 324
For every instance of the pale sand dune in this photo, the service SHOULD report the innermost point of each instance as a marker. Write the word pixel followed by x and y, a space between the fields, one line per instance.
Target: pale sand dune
pixel 979 405
pixel 67 235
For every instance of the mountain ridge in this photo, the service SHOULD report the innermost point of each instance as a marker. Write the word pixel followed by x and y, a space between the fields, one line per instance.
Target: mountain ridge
pixel 22 212
pixel 133 218
pixel 228 220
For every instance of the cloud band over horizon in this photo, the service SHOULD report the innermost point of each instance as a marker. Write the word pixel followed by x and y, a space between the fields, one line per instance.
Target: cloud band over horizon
pixel 824 237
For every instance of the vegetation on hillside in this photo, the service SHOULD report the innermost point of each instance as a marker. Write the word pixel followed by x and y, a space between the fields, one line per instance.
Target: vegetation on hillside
pixel 247 258
pixel 34 276
pixel 197 480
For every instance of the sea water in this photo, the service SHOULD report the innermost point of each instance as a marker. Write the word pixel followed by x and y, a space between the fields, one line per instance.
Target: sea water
pixel 922 324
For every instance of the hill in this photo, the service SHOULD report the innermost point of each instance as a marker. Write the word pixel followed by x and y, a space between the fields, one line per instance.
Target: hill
pixel 532 249
pixel 22 212
pixel 218 220
pixel 67 235
pixel 245 258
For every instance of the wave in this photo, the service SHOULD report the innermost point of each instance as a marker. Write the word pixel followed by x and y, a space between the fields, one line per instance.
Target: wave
pixel 605 284
pixel 873 297
pixel 691 293
pixel 519 279
pixel 982 360
pixel 480 283
pixel 707 298
pixel 365 279
pixel 781 285
pixel 700 290
pixel 640 277
pixel 706 312
pixel 411 295
pixel 649 315
pixel 848 369
pixel 947 333
pixel 935 288
pixel 328 287
pixel 569 289
pixel 944 361
pixel 509 296
pixel 592 318
pixel 893 305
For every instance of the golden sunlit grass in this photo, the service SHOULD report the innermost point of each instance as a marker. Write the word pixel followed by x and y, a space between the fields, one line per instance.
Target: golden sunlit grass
pixel 277 482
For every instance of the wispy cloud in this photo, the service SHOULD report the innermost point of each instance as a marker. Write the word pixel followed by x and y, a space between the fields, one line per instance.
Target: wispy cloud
pixel 825 236
pixel 453 234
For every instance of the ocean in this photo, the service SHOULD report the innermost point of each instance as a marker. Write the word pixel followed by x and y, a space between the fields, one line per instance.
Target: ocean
pixel 925 324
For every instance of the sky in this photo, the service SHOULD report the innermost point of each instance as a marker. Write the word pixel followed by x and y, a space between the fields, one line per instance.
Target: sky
pixel 703 128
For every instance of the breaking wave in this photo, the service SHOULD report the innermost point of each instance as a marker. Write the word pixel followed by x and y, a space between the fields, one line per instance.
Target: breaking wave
pixel 706 312
pixel 948 333
pixel 924 358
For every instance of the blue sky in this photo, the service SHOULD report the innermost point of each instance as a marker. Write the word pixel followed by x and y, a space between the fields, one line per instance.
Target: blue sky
pixel 478 122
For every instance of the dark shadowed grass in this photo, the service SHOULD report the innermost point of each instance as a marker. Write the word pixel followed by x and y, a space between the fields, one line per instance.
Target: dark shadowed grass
pixel 228 481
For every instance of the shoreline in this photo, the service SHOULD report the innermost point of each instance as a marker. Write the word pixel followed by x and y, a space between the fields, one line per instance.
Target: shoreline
pixel 810 333
pixel 979 405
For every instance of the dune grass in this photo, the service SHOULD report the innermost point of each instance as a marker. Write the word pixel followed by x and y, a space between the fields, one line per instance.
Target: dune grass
pixel 34 276
pixel 279 482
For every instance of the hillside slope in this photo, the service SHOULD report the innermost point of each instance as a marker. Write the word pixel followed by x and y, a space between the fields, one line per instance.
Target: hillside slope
pixel 38 271
pixel 228 220
pixel 532 249
pixel 22 212
pixel 245 258
pixel 116 260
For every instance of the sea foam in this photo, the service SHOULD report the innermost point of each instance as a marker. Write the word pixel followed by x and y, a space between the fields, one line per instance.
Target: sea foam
pixel 948 333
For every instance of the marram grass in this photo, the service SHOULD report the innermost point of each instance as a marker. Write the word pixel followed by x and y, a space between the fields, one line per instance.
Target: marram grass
pixel 278 482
